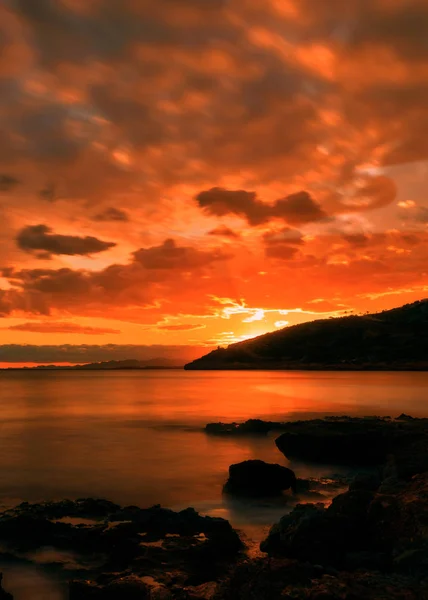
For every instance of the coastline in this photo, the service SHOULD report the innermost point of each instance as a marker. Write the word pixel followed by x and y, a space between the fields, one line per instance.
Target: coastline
pixel 367 541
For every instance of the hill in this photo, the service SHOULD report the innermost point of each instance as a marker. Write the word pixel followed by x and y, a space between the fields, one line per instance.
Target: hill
pixel 393 339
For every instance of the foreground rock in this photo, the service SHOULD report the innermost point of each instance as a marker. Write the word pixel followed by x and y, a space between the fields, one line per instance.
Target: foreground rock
pixel 361 528
pixel 132 552
pixel 258 478
pixel 279 579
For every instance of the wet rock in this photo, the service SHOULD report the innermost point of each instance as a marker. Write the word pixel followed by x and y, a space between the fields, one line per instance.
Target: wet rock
pixel 123 588
pixel 154 542
pixel 258 478
pixel 361 529
pixel 350 441
pixel 280 579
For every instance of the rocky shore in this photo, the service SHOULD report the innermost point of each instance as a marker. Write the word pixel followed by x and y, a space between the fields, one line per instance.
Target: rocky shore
pixel 369 543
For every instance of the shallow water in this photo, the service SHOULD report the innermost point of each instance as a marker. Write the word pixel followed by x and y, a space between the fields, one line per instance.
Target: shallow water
pixel 135 437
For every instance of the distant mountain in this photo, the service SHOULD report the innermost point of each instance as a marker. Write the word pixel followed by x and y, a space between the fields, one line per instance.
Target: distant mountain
pixel 154 363
pixel 393 339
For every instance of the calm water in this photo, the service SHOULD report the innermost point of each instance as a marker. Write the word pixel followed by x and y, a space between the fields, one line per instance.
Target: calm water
pixel 136 436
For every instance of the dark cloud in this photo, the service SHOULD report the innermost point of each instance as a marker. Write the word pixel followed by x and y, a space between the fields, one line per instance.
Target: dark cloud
pixel 296 208
pixel 111 214
pixel 356 239
pixel 418 214
pixel 158 271
pixel 283 236
pixel 40 238
pixel 84 353
pixel 60 327
pixel 182 327
pixel 282 251
pixel 283 244
pixel 7 182
pixel 224 231
pixel 171 256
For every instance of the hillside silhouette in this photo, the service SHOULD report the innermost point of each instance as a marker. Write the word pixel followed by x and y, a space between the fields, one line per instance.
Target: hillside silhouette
pixel 392 339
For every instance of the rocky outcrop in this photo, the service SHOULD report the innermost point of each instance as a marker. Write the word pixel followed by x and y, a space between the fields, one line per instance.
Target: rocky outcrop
pixel 281 579
pixel 160 548
pixel 361 528
pixel 258 478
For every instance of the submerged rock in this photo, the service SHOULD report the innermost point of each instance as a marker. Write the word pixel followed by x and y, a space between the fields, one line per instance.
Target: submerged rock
pixel 258 478
pixel 250 427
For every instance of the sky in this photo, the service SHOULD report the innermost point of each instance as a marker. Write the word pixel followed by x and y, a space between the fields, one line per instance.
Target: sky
pixel 181 174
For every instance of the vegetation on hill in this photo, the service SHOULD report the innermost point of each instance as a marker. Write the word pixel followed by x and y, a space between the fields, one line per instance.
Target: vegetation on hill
pixel 393 339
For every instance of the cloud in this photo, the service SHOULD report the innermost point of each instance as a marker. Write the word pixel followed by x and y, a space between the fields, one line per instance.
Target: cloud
pixel 60 327
pixel 171 256
pixel 111 214
pixel 417 214
pixel 40 238
pixel 282 251
pixel 168 271
pixel 224 231
pixel 181 327
pixel 296 208
pixel 7 182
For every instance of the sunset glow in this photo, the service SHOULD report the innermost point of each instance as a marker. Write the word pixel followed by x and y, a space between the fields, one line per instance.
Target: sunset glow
pixel 195 176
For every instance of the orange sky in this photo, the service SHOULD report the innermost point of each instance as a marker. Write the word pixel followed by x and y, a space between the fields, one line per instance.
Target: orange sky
pixel 187 173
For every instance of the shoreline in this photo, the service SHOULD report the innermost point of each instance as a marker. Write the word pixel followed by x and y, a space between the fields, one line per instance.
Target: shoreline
pixel 368 540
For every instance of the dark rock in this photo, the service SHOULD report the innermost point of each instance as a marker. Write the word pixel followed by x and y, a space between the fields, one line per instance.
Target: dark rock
pixel 250 427
pixel 350 441
pixel 123 588
pixel 168 546
pixel 363 481
pixel 3 594
pixel 279 579
pixel 257 478
pixel 360 529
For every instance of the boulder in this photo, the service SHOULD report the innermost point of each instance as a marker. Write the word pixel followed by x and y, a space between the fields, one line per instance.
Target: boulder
pixel 258 478
pixel 349 441
pixel 360 529
pixel 250 427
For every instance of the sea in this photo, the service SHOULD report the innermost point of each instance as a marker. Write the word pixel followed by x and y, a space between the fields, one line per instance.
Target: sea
pixel 137 437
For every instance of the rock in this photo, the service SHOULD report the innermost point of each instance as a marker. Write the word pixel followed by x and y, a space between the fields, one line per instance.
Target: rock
pixel 280 579
pixel 123 588
pixel 250 427
pixel 206 591
pixel 366 481
pixel 257 478
pixel 3 594
pixel 174 548
pixel 349 441
pixel 361 529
